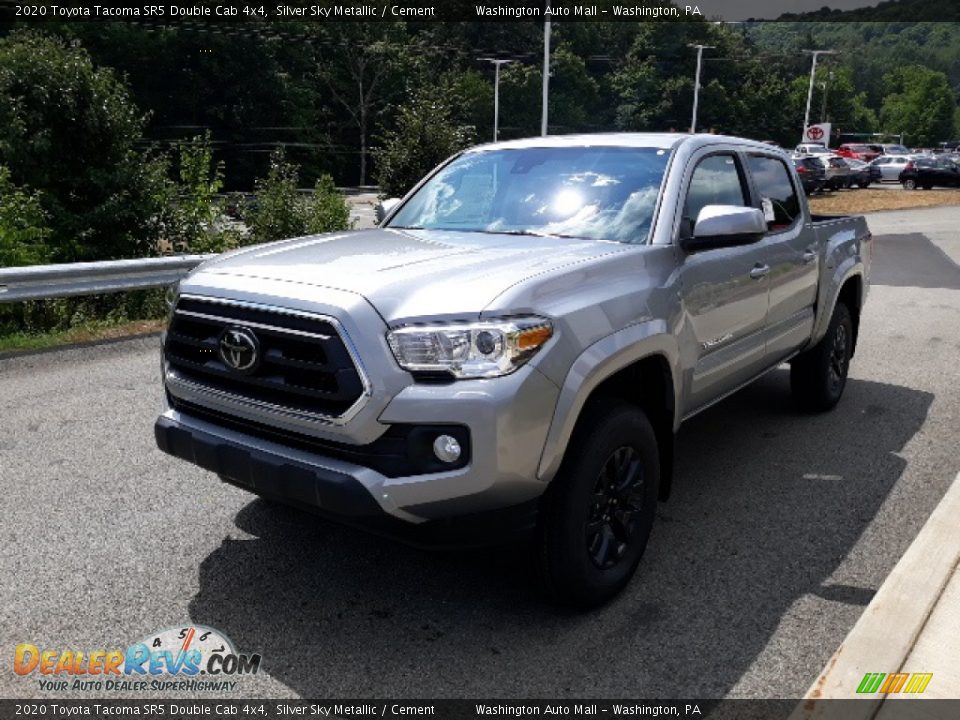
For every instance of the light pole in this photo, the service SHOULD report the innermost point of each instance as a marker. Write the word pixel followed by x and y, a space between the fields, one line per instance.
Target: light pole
pixel 826 89
pixel 496 92
pixel 546 70
pixel 696 84
pixel 813 72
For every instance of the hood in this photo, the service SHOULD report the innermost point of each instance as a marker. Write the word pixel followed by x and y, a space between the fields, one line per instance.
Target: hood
pixel 407 274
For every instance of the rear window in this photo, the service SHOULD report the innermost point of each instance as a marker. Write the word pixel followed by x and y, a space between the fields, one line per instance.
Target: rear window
pixel 779 200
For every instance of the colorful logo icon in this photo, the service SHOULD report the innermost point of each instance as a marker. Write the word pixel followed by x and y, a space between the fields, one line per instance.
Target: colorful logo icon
pixel 894 683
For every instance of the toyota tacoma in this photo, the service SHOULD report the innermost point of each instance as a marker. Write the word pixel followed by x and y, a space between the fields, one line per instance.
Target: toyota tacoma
pixel 514 347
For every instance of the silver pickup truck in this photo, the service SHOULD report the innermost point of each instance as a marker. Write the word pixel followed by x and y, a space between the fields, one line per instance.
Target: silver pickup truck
pixel 515 346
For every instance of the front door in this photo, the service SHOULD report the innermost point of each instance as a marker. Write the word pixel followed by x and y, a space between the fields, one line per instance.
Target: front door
pixel 724 290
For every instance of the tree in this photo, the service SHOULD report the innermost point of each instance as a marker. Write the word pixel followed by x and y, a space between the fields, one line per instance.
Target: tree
pixel 68 130
pixel 920 104
pixel 195 211
pixel 23 225
pixel 281 212
pixel 361 71
pixel 425 136
pixel 845 108
pixel 573 95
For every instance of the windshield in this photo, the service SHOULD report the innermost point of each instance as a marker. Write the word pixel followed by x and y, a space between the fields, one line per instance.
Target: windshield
pixel 600 193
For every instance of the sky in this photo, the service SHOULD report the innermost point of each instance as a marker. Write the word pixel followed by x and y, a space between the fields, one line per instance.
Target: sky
pixel 768 9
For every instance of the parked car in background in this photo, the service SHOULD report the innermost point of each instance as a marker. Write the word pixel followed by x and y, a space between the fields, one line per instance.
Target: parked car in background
pixel 811 149
pixel 895 149
pixel 811 173
pixel 837 171
pixel 927 173
pixel 890 166
pixel 862 174
pixel 857 151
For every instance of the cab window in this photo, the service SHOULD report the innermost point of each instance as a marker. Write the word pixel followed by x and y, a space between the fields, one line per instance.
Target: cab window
pixel 778 197
pixel 716 180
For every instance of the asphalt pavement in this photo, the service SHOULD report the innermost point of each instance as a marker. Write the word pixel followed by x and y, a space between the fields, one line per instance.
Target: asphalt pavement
pixel 780 529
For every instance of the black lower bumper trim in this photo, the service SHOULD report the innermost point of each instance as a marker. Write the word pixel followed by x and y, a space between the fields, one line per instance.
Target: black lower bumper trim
pixel 267 474
pixel 333 494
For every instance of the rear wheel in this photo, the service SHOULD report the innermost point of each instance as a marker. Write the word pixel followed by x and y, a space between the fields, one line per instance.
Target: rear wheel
pixel 910 184
pixel 819 375
pixel 598 512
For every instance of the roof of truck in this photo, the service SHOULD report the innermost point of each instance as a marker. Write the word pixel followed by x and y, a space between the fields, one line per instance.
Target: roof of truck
pixel 617 139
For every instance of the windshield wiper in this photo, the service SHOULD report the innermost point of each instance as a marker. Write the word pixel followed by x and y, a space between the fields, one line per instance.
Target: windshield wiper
pixel 519 233
pixel 534 233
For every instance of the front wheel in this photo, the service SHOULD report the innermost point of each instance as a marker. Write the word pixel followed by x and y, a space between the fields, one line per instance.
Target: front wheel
pixel 598 512
pixel 819 375
pixel 909 184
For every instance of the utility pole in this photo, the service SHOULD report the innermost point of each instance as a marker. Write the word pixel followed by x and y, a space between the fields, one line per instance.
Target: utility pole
pixel 813 73
pixel 546 70
pixel 696 84
pixel 496 92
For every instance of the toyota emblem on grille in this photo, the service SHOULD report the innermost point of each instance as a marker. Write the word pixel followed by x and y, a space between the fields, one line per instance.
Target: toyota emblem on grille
pixel 239 349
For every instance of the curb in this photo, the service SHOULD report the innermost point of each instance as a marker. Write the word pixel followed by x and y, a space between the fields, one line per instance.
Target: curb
pixel 889 629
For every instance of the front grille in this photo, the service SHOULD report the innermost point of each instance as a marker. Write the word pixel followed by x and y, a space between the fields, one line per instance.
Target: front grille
pixel 304 365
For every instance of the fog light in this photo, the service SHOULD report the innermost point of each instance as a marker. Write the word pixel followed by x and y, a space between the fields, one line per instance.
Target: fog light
pixel 446 448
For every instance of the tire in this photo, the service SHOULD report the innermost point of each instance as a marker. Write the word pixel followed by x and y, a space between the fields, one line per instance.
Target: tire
pixel 863 185
pixel 597 513
pixel 819 375
pixel 928 187
pixel 910 184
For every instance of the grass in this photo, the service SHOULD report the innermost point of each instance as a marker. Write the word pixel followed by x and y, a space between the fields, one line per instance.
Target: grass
pixel 854 202
pixel 87 332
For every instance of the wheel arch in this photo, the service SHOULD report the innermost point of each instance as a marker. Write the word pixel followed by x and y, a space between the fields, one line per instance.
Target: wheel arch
pixel 644 371
pixel 851 295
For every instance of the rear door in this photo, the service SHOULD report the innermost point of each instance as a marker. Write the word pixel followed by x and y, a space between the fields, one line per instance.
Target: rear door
pixel 724 290
pixel 792 255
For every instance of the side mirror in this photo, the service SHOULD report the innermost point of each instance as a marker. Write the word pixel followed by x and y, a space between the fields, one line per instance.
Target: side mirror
pixel 725 226
pixel 384 207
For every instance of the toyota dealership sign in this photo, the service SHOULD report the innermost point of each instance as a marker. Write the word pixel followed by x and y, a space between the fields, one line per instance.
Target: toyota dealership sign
pixel 819 133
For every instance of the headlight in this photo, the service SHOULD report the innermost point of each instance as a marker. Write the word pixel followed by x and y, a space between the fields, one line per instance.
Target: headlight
pixel 470 350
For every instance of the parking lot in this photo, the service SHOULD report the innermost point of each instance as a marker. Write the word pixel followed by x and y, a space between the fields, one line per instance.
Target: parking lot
pixel 780 529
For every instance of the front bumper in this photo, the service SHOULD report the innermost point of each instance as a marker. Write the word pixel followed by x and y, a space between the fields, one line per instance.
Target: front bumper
pixel 491 498
pixel 328 488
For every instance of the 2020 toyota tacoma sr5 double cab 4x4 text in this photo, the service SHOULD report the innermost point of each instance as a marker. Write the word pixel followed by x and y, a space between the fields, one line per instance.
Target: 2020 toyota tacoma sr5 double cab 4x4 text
pixel 515 345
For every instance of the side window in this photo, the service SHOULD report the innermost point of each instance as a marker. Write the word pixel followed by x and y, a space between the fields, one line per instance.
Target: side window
pixel 781 206
pixel 716 181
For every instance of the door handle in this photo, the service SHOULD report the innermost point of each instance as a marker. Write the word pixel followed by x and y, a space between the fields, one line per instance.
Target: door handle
pixel 759 271
pixel 809 256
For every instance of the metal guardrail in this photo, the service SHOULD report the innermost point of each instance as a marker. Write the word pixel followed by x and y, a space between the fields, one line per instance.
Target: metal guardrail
pixel 36 282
